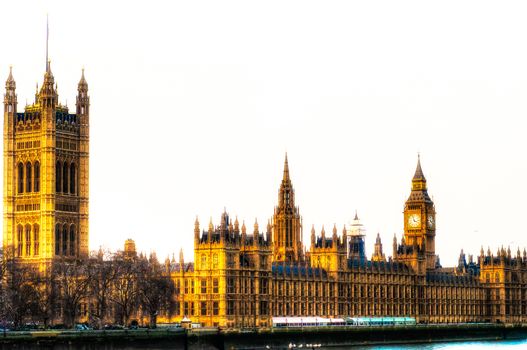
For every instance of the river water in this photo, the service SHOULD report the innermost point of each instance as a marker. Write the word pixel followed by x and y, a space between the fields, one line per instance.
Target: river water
pixel 498 345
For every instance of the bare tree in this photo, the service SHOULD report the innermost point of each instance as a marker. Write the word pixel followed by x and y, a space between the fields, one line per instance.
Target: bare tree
pixel 19 296
pixel 124 293
pixel 72 279
pixel 104 273
pixel 46 296
pixel 156 290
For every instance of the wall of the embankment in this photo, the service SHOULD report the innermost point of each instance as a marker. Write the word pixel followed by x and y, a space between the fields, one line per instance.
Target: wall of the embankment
pixel 262 339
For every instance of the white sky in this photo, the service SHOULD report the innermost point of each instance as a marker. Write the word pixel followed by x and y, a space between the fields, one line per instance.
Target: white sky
pixel 194 103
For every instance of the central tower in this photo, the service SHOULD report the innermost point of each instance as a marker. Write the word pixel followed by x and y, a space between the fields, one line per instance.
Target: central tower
pixel 46 152
pixel 287 224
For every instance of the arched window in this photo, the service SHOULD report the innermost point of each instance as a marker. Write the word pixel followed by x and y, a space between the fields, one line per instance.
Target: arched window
pixel 36 233
pixel 28 240
pixel 20 178
pixel 72 178
pixel 36 185
pixel 72 240
pixel 58 177
pixel 28 177
pixel 497 276
pixel 65 240
pixel 57 239
pixel 19 239
pixel 65 178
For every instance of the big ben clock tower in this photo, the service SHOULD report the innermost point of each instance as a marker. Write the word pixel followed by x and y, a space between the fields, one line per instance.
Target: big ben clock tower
pixel 419 218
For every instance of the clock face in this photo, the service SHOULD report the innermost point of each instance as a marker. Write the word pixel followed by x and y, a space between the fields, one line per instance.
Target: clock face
pixel 414 220
pixel 430 221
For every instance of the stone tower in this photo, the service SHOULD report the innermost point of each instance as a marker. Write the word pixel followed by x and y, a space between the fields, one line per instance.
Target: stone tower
pixel 287 224
pixel 419 219
pixel 46 153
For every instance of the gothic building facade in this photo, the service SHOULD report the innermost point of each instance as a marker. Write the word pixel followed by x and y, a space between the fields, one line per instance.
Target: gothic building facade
pixel 242 279
pixel 46 153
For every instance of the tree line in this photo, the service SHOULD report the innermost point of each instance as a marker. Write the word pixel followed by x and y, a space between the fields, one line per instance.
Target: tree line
pixel 105 288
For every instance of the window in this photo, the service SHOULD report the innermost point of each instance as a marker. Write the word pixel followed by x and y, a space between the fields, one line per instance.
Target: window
pixel 497 277
pixel 230 285
pixel 186 290
pixel 264 308
pixel 20 239
pixel 73 178
pixel 177 308
pixel 28 177
pixel 215 285
pixel 203 307
pixel 215 261
pixel 36 185
pixel 65 178
pixel 58 177
pixel 35 239
pixel 185 309
pixel 263 286
pixel 65 240
pixel 215 308
pixel 57 239
pixel 230 307
pixel 28 240
pixel 203 261
pixel 72 240
pixel 204 286
pixel 20 178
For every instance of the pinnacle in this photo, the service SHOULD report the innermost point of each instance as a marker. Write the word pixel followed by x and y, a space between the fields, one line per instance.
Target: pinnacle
pixel 10 77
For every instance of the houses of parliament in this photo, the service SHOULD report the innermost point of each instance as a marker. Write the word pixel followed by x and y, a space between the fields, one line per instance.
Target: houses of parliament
pixel 243 276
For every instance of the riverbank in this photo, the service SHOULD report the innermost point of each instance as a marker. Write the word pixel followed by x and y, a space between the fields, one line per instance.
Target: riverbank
pixel 177 338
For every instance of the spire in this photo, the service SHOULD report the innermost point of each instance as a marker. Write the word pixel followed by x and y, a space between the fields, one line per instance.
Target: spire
pixel 419 176
pixel 83 85
pixel 10 77
pixel 356 218
pixel 47 42
pixel 286 169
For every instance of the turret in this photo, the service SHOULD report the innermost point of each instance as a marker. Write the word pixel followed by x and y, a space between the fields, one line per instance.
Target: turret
pixel 211 230
pixel 323 234
pixel 236 226
pixel 10 98
pixel 378 255
pixel 48 96
pixel 83 100
pixel 269 231
pixel 181 258
pixel 196 231
pixel 344 237
pixel 313 236
pixel 335 237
